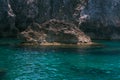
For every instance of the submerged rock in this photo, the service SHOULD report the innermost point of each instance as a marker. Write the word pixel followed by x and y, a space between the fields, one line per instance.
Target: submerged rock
pixel 2 73
pixel 54 32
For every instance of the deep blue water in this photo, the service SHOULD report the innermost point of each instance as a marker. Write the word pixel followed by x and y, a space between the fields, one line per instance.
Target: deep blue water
pixel 58 63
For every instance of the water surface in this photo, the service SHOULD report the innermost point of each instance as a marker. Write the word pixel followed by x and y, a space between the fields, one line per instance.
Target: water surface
pixel 56 63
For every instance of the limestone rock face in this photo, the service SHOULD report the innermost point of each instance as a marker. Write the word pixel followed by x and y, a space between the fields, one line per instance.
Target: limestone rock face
pixel 54 31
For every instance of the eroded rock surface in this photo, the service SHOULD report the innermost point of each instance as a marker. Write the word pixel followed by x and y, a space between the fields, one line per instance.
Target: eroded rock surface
pixel 54 31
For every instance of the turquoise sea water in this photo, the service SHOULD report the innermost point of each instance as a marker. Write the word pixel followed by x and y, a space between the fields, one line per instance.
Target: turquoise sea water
pixel 57 63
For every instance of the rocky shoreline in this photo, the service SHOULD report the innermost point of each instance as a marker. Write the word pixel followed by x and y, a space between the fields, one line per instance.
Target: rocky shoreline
pixel 54 32
pixel 57 44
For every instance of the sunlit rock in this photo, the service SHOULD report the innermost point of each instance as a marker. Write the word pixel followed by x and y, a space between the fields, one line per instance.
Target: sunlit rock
pixel 54 31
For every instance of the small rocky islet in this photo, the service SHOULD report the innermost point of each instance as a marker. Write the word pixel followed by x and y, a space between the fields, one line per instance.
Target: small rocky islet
pixel 54 32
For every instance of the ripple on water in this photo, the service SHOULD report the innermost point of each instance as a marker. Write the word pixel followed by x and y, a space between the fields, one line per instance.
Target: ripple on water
pixel 91 63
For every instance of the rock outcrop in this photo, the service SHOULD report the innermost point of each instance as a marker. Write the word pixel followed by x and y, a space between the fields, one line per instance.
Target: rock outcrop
pixel 54 32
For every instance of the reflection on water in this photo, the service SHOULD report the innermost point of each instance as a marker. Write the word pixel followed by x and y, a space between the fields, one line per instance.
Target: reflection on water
pixel 55 63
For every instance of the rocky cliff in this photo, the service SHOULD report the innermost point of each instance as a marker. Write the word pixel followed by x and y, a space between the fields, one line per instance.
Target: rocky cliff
pixel 100 19
pixel 16 15
pixel 103 19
